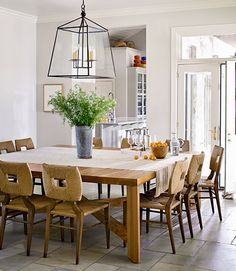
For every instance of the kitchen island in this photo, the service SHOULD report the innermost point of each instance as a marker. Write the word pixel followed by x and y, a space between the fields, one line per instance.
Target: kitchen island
pixel 113 131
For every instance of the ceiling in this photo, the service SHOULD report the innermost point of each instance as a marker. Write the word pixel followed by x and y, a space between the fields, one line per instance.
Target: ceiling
pixel 47 8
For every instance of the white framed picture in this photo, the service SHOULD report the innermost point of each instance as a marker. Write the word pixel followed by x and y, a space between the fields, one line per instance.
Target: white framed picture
pixel 48 91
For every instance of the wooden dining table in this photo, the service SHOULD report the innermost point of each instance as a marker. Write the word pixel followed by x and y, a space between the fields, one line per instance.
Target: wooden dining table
pixel 122 169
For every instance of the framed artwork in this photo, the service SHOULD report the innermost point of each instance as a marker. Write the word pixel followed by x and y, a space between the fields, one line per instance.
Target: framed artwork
pixel 48 91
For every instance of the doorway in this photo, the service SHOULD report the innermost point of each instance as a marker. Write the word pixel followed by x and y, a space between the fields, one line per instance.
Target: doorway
pixel 207 111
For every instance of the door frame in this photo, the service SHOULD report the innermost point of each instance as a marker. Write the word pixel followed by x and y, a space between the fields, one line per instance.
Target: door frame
pixel 176 36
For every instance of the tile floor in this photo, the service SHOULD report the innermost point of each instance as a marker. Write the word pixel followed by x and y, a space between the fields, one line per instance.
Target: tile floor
pixel 213 248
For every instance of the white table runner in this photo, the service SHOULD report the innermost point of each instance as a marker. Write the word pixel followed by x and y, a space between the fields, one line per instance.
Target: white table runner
pixel 101 159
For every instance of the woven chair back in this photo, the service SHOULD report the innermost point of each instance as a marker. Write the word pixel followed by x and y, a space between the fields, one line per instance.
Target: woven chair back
pixel 26 143
pixel 178 177
pixel 7 146
pixel 125 143
pixel 22 184
pixel 62 182
pixel 216 159
pixel 195 168
pixel 97 142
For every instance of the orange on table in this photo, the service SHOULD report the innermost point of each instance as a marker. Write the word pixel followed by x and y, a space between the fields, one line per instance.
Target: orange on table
pixel 145 157
pixel 136 157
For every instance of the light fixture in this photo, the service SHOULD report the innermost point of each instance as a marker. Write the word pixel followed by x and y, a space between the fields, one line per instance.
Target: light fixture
pixel 82 50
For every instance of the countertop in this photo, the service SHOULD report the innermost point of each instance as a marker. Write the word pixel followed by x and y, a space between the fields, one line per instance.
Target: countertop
pixel 123 121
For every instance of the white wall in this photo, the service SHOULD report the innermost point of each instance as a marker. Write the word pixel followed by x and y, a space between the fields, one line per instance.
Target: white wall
pixel 140 40
pixel 158 27
pixel 51 129
pixel 17 76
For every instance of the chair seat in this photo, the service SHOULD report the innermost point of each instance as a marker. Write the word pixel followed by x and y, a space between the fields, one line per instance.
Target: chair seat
pixel 206 183
pixel 87 207
pixel 191 194
pixel 156 203
pixel 40 203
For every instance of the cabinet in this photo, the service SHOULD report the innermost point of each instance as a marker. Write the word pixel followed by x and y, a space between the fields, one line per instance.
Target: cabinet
pixel 126 101
pixel 137 92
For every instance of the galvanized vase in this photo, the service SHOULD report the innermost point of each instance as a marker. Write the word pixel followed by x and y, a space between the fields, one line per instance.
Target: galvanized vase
pixel 84 137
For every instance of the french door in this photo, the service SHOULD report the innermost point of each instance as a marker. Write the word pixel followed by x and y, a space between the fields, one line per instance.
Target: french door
pixel 228 84
pixel 199 107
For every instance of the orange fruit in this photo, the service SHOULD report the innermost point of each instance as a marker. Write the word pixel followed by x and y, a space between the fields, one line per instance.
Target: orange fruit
pixel 136 157
pixel 145 156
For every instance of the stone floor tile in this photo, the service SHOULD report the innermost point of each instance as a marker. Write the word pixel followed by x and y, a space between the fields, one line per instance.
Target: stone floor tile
pixel 118 257
pixel 102 267
pixel 172 267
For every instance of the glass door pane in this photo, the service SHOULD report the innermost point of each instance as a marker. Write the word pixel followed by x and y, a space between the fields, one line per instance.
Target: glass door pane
pixel 199 107
pixel 198 110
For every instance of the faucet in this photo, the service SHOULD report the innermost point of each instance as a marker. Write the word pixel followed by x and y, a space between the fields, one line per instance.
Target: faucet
pixel 111 114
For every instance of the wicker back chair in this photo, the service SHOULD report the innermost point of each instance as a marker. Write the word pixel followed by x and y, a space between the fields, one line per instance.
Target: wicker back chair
pixel 184 144
pixel 26 143
pixel 19 198
pixel 124 143
pixel 97 142
pixel 168 201
pixel 211 183
pixel 64 183
pixel 191 191
pixel 7 146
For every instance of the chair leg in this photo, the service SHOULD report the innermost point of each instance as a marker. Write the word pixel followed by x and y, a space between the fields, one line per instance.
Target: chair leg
pixel 3 225
pixel 25 224
pixel 196 197
pixel 211 199
pixel 141 219
pixel 108 190
pixel 170 228
pixel 179 211
pixel 124 218
pixel 30 223
pixel 147 219
pixel 187 207
pixel 47 234
pixel 107 225
pixel 79 232
pixel 99 190
pixel 71 231
pixel 161 215
pixel 122 190
pixel 61 229
pixel 218 202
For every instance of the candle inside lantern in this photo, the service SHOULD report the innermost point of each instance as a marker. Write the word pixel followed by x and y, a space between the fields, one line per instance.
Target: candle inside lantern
pixel 91 56
pixel 75 54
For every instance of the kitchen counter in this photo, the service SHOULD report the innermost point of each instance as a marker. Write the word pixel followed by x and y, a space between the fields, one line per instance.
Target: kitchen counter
pixel 123 121
pixel 112 132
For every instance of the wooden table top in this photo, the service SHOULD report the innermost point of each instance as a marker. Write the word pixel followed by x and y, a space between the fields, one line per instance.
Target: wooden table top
pixel 107 175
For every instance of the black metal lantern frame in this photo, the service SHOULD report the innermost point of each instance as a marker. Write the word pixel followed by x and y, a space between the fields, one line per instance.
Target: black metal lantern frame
pixel 92 56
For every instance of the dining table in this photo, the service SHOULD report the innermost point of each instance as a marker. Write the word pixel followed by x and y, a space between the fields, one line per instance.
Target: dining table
pixel 107 166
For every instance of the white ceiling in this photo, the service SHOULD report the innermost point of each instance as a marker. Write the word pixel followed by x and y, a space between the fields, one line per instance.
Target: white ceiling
pixel 47 8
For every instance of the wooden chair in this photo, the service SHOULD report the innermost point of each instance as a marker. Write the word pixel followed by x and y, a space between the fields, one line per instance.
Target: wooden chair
pixel 19 199
pixel 168 201
pixel 124 143
pixel 190 191
pixel 27 144
pixel 211 183
pixel 24 143
pixel 184 143
pixel 7 146
pixel 97 143
pixel 70 205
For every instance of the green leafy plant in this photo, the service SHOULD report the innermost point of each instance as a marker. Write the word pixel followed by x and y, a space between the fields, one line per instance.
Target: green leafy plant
pixel 80 108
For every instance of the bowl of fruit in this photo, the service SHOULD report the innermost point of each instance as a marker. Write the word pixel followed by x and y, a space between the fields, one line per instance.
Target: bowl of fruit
pixel 159 149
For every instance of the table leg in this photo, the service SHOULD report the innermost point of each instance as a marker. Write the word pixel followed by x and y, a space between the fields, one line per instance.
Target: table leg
pixel 133 223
